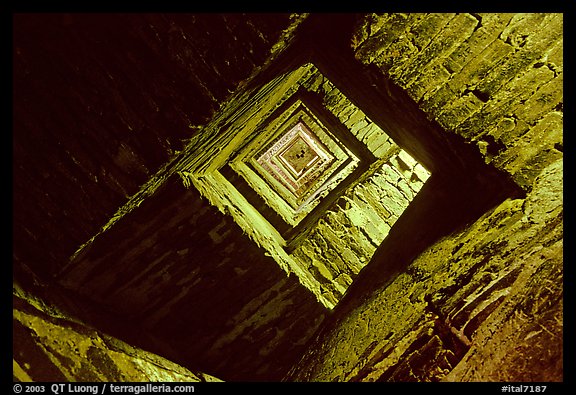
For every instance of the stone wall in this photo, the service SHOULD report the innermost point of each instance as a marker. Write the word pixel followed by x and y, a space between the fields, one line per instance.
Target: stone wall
pixel 184 281
pixel 50 345
pixel 348 234
pixel 495 79
pixel 483 303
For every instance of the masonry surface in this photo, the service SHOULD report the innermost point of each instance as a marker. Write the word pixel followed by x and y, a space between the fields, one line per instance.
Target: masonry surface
pixel 137 257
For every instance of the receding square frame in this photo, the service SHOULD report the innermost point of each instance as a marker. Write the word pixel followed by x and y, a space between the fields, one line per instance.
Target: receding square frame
pixel 291 195
pixel 294 175
pixel 318 135
pixel 299 156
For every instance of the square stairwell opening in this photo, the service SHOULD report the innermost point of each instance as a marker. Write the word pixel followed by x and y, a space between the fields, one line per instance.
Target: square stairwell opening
pixel 313 180
pixel 336 173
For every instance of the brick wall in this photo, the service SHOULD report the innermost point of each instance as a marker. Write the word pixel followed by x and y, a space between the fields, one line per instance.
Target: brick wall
pixel 184 281
pixel 52 345
pixel 349 233
pixel 484 303
pixel 496 79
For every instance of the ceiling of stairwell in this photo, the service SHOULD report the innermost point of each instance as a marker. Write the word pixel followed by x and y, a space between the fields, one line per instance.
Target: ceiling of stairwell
pixel 323 163
pixel 101 102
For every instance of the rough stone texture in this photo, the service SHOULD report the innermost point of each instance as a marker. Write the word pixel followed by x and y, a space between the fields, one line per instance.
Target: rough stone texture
pixel 347 235
pixel 484 303
pixel 522 340
pixel 200 291
pixel 476 98
pixel 354 226
pixel 502 77
pixel 52 346
pixel 468 309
